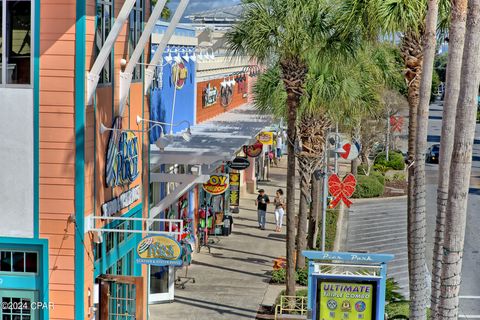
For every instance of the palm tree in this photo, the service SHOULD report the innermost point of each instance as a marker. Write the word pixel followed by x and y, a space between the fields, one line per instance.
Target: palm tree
pixel 460 168
pixel 456 36
pixel 287 33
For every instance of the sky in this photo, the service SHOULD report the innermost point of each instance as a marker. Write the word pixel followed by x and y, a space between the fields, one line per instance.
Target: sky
pixel 201 5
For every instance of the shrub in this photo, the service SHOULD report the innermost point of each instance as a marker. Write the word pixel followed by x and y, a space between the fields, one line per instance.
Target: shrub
pixel 395 160
pixel 362 169
pixel 392 291
pixel 378 175
pixel 380 168
pixel 279 276
pixel 368 187
pixel 302 276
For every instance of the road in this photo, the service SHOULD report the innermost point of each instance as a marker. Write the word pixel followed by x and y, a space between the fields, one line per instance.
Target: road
pixel 470 289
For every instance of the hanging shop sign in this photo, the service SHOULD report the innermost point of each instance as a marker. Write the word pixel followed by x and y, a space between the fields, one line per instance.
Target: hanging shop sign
pixel 396 123
pixel 234 189
pixel 341 190
pixel 179 75
pixel 124 200
pixel 122 156
pixel 253 150
pixel 239 163
pixel 210 95
pixel 352 150
pixel 266 138
pixel 159 251
pixel 217 184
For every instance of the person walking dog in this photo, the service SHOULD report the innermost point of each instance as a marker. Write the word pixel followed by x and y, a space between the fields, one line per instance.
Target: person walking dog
pixel 261 202
pixel 279 202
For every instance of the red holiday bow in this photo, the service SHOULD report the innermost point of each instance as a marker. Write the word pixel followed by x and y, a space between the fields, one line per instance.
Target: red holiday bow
pixel 396 123
pixel 341 190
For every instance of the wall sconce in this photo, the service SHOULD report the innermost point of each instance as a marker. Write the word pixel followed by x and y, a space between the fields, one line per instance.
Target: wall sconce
pixel 186 135
pixel 162 142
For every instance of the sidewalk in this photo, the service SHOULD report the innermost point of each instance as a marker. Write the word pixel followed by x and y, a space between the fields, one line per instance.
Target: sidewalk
pixel 231 281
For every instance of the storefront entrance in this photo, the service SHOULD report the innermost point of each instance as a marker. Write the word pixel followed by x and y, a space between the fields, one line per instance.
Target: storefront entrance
pixel 121 297
pixel 162 283
pixel 17 305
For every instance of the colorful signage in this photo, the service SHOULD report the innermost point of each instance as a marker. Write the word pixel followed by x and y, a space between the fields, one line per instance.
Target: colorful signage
pixel 159 251
pixel 210 95
pixel 234 189
pixel 253 150
pixel 352 149
pixel 124 200
pixel 265 138
pixel 238 163
pixel 345 301
pixel 217 184
pixel 341 190
pixel 179 74
pixel 122 156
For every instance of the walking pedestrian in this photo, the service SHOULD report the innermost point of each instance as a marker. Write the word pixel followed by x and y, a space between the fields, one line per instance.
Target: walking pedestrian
pixel 279 202
pixel 279 145
pixel 261 202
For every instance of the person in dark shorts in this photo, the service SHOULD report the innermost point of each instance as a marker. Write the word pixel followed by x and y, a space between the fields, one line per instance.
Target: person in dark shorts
pixel 261 202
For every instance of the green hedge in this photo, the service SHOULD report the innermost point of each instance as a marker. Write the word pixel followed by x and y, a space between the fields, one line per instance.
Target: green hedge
pixel 368 187
pixel 378 175
pixel 301 276
pixel 395 160
pixel 330 232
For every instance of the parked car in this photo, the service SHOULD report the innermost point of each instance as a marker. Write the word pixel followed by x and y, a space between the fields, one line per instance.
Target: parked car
pixel 433 153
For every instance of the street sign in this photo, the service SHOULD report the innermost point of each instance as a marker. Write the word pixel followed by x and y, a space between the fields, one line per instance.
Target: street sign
pixel 239 163
pixel 352 150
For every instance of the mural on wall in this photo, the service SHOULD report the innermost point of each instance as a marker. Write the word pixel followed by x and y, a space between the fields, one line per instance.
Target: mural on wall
pixel 241 81
pixel 179 75
pixel 122 156
pixel 226 94
pixel 209 96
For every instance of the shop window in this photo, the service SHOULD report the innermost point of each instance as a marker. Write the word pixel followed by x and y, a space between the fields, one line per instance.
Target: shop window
pixel 16 47
pixel 98 251
pixel 110 242
pixel 104 25
pixel 21 308
pixel 18 261
pixel 121 235
pixel 135 23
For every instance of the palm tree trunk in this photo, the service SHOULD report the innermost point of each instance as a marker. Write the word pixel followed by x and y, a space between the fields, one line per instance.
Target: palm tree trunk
pixel 461 166
pixel 411 51
pixel 314 212
pixel 418 282
pixel 454 67
pixel 301 239
pixel 293 77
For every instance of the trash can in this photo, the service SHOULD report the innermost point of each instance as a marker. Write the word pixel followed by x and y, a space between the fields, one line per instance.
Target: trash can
pixel 227 225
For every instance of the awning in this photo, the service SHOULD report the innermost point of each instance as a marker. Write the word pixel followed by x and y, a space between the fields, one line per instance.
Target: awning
pixel 217 139
pixel 213 142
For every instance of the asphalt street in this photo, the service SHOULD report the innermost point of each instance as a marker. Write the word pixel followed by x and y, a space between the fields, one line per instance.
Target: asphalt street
pixel 470 288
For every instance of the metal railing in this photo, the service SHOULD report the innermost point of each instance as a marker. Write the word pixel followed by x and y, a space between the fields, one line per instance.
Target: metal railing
pixel 291 307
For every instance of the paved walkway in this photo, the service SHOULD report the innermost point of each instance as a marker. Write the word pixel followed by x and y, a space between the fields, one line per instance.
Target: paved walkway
pixel 231 281
pixel 380 226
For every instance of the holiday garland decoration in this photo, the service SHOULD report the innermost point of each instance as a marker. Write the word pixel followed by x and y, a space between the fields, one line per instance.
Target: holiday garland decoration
pixel 341 190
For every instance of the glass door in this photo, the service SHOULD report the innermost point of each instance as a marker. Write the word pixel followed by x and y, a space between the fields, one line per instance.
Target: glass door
pixel 162 284
pixel 16 305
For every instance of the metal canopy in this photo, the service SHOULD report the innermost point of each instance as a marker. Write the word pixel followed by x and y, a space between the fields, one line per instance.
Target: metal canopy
pixel 213 142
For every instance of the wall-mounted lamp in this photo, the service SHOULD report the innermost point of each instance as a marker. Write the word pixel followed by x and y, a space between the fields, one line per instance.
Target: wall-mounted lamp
pixel 162 142
pixel 186 135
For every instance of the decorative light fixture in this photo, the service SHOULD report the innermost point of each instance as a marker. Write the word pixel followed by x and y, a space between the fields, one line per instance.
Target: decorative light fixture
pixel 169 58
pixel 186 135
pixel 178 58
pixel 161 142
pixel 193 57
pixel 186 57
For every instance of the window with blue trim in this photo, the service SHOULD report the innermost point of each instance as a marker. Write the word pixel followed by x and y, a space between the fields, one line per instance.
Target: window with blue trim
pixel 135 23
pixel 104 12
pixel 18 261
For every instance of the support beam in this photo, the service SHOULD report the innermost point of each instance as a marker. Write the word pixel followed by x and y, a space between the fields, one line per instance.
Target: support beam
pixel 187 158
pixel 179 178
pixel 158 56
pixel 94 74
pixel 126 76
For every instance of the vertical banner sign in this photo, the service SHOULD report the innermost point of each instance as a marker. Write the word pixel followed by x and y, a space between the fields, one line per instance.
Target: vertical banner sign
pixel 234 189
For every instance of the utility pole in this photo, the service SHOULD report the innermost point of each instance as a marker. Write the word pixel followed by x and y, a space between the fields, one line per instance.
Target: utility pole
pixel 325 193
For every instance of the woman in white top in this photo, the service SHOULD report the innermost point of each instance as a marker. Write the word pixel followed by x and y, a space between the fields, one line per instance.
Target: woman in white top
pixel 279 203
